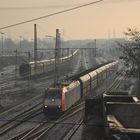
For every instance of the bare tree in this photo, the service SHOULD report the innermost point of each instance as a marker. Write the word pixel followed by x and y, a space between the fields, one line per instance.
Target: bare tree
pixel 130 49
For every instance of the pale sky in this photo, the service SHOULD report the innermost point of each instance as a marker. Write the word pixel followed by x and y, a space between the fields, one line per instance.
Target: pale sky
pixel 109 18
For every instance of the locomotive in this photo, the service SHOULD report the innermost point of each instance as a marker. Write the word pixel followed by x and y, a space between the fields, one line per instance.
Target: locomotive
pixel 60 99
pixel 43 66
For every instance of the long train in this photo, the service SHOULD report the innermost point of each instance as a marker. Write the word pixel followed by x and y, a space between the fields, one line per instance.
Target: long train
pixel 43 66
pixel 60 99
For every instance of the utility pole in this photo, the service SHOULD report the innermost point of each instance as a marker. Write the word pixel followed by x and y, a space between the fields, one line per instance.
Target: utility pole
pixel 82 59
pixel 35 46
pixel 62 44
pixel 57 56
pixel 16 67
pixel 72 53
pixel 2 42
pixel 67 51
pixel 29 74
pixel 20 37
pixel 95 47
pixel 2 45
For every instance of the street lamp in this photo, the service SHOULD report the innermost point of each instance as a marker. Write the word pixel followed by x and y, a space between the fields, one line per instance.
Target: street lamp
pixel 2 41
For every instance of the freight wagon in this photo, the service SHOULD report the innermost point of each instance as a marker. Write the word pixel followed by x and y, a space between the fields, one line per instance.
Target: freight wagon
pixel 62 98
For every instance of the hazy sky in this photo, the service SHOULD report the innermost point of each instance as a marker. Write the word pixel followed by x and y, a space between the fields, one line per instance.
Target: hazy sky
pixel 109 18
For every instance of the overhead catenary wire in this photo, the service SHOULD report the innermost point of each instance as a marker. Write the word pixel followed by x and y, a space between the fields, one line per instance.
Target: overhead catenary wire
pixel 50 15
pixel 59 6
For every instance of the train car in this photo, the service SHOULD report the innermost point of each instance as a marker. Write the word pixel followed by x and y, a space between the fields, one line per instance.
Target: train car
pixel 99 76
pixel 104 72
pixel 58 100
pixel 113 66
pixel 93 76
pixel 85 84
pixel 43 66
pixel 69 95
pixel 33 69
pixel 107 69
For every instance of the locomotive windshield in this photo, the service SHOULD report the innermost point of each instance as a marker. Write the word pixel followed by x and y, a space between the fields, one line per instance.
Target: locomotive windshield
pixel 53 97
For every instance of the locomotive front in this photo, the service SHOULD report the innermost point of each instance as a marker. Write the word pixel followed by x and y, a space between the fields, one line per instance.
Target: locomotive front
pixel 52 100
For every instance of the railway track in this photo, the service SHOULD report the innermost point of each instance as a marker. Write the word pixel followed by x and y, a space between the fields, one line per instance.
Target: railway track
pixel 111 86
pixel 115 84
pixel 43 129
pixel 70 134
pixel 13 112
pixel 19 119
pixel 78 124
pixel 10 83
pixel 24 116
pixel 39 130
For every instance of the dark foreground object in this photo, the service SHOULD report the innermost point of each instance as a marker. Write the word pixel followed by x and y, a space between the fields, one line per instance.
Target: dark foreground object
pixel 112 117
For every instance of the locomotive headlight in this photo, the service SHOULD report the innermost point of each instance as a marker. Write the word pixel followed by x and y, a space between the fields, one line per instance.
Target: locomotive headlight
pixel 46 106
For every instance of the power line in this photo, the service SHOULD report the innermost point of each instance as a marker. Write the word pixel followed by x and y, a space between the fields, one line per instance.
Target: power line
pixel 50 15
pixel 57 6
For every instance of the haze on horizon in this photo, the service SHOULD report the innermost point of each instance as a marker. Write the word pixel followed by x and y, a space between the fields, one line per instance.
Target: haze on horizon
pixel 106 19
